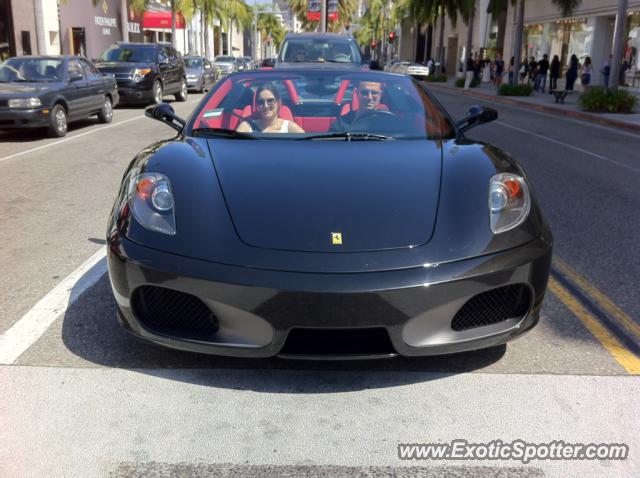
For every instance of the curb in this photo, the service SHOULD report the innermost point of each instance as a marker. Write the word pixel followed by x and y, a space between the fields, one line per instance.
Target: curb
pixel 634 128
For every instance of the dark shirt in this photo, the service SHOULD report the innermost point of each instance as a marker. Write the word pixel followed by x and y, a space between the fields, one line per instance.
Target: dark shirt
pixel 555 69
pixel 499 66
pixel 470 64
pixel 543 66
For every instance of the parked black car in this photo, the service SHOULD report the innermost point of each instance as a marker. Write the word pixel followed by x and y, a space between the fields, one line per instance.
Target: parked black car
pixel 51 91
pixel 145 72
pixel 201 75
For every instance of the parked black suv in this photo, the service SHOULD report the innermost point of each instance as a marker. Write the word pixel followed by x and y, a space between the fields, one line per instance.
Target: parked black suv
pixel 145 72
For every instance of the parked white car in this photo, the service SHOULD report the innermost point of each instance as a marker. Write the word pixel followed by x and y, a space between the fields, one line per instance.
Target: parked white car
pixel 416 69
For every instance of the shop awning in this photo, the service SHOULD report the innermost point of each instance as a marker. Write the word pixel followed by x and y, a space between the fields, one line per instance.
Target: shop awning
pixel 161 20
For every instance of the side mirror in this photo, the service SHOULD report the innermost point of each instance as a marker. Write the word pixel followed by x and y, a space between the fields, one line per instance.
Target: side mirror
pixel 477 115
pixel 74 78
pixel 165 113
pixel 164 61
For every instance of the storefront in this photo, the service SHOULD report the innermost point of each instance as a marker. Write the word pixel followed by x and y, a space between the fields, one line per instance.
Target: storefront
pixel 88 29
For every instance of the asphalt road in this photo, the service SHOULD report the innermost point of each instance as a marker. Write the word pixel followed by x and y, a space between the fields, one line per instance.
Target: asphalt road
pixel 85 388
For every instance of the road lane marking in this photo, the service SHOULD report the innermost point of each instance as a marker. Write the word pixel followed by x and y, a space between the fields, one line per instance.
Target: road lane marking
pixel 64 140
pixel 625 358
pixel 26 331
pixel 598 297
pixel 567 145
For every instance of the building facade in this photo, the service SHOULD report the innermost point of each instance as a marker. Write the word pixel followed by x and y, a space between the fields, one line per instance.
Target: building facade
pixel 587 32
pixel 29 27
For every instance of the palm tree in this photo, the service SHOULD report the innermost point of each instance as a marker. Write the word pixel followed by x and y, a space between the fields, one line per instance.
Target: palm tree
pixel 469 13
pixel 239 14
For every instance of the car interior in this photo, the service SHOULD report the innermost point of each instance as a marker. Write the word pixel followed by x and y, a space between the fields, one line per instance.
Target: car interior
pixel 315 105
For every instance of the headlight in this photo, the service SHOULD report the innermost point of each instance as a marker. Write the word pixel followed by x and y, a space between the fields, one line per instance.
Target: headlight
pixel 509 202
pixel 151 202
pixel 140 73
pixel 25 103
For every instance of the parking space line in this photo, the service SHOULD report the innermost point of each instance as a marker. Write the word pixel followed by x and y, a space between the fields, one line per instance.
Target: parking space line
pixel 26 331
pixel 70 138
pixel 624 320
pixel 625 358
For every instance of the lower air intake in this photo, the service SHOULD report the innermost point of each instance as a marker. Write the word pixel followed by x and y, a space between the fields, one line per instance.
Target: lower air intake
pixel 338 342
pixel 492 307
pixel 174 313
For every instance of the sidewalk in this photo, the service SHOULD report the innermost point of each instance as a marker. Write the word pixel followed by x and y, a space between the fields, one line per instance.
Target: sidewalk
pixel 547 103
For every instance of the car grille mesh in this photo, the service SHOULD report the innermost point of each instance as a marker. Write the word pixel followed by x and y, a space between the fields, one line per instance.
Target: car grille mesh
pixel 492 307
pixel 175 313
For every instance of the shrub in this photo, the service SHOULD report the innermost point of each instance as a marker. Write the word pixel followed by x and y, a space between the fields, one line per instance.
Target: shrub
pixel 599 99
pixel 460 83
pixel 515 90
pixel 437 78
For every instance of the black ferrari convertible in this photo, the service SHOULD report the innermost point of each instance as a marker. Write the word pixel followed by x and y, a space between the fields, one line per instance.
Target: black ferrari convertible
pixel 325 213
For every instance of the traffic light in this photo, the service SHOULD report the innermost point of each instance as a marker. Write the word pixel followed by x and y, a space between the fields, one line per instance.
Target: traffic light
pixel 373 43
pixel 392 36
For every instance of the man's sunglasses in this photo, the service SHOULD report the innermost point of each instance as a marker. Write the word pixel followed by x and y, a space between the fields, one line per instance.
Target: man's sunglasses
pixel 367 92
pixel 268 101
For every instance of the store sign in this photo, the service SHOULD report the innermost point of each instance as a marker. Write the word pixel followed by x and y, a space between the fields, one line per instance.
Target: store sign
pixel 107 23
pixel 134 27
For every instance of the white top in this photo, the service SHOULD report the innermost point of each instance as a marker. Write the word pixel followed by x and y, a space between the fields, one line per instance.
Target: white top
pixel 283 129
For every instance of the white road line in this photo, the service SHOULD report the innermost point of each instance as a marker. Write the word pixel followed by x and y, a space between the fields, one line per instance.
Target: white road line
pixel 64 140
pixel 71 138
pixel 595 155
pixel 26 331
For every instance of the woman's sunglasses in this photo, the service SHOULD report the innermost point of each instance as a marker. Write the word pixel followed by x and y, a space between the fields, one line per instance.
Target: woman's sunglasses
pixel 268 101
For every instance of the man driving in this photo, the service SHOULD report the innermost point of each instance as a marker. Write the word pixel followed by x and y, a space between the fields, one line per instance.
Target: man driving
pixel 368 94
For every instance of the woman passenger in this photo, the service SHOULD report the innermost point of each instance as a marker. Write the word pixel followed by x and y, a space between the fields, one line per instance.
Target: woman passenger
pixel 268 109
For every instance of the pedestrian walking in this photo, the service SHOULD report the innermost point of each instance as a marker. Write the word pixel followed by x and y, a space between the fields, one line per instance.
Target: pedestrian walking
pixel 511 62
pixel 554 73
pixel 606 70
pixel 533 70
pixel 470 72
pixel 572 72
pixel 543 70
pixel 499 71
pixel 585 76
pixel 486 71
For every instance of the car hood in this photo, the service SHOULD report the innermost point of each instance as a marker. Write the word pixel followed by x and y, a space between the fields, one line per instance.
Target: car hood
pixel 295 195
pixel 24 89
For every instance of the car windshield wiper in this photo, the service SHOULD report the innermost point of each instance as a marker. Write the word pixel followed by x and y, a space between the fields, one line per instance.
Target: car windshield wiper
pixel 349 136
pixel 223 132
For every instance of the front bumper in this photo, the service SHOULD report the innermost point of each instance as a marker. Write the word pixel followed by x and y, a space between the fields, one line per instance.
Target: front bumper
pixel 258 309
pixel 194 82
pixel 24 118
pixel 135 92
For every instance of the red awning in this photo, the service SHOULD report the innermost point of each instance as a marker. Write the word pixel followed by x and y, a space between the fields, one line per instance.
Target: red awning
pixel 161 20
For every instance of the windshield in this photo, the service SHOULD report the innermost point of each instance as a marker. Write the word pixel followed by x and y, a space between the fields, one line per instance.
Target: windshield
pixel 31 69
pixel 319 50
pixel 224 59
pixel 320 104
pixel 137 54
pixel 193 63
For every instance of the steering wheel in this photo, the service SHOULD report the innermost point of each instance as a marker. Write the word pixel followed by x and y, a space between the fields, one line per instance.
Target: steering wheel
pixel 371 117
pixel 254 126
